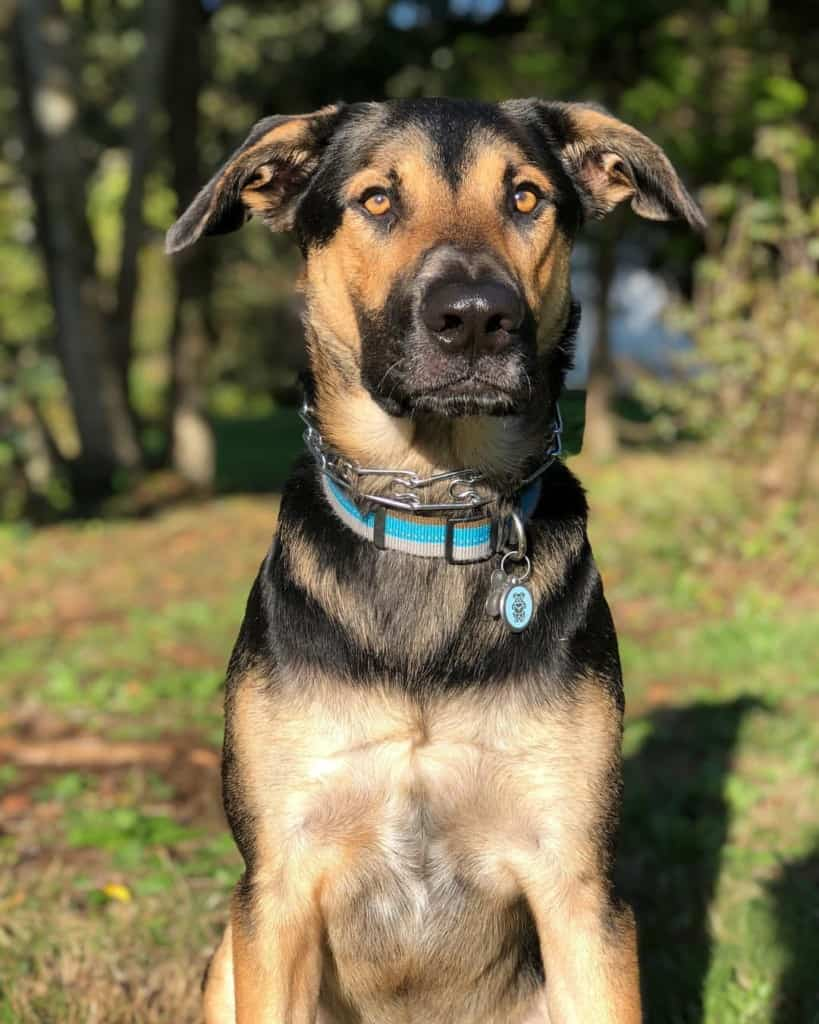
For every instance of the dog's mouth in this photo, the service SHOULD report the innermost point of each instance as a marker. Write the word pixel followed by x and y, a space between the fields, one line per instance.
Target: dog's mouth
pixel 468 395
pixel 427 377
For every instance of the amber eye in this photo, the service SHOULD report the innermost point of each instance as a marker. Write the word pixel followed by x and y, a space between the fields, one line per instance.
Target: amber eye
pixel 377 204
pixel 525 199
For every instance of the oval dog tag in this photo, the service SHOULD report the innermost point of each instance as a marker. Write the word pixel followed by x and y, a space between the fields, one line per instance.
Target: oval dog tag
pixel 517 606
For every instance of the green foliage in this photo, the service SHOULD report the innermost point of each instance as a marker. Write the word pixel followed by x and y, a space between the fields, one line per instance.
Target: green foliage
pixel 702 80
pixel 751 384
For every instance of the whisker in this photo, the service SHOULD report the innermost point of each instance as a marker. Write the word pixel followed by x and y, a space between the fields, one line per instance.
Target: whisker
pixel 389 370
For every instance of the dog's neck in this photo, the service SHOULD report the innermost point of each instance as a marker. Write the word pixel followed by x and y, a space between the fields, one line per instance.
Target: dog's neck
pixel 503 449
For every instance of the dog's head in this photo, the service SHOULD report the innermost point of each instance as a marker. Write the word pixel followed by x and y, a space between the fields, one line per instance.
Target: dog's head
pixel 436 236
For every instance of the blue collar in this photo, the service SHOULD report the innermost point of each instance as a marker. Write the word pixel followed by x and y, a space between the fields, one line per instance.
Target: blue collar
pixel 458 540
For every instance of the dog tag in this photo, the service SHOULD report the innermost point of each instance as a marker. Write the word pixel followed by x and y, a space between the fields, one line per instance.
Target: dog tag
pixel 498 583
pixel 517 605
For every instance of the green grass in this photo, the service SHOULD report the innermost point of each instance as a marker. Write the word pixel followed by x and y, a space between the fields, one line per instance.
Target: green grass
pixel 115 875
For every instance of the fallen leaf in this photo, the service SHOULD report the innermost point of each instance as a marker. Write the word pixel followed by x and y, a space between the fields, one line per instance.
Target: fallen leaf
pixel 118 892
pixel 13 804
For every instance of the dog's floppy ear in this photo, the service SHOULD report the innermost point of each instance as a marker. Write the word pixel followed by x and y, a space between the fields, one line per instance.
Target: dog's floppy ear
pixel 264 177
pixel 609 162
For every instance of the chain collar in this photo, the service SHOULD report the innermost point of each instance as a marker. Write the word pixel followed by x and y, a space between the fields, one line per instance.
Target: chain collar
pixel 405 487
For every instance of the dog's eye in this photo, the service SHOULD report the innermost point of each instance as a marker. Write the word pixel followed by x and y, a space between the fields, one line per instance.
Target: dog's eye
pixel 377 203
pixel 526 199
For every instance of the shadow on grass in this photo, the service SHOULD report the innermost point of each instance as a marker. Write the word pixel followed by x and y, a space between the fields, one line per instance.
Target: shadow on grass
pixel 796 892
pixel 675 822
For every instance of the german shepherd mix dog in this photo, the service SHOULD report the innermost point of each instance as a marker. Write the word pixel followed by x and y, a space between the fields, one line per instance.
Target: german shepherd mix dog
pixel 424 705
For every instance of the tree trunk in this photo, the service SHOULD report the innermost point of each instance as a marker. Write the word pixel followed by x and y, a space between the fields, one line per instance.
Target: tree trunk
pixel 600 437
pixel 49 113
pixel 147 91
pixel 193 452
pixel 192 443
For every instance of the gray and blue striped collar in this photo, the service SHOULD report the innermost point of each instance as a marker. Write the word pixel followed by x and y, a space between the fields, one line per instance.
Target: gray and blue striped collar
pixel 458 540
pixel 460 528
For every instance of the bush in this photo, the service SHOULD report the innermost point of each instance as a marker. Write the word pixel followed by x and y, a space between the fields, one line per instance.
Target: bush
pixel 750 384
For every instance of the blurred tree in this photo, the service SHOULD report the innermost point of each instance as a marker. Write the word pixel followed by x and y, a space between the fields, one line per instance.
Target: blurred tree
pixel 146 92
pixel 111 358
pixel 45 66
pixel 93 266
pixel 600 435
pixel 192 333
pixel 751 384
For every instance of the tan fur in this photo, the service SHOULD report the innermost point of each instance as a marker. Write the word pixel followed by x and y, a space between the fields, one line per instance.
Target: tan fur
pixel 357 426
pixel 532 256
pixel 597 161
pixel 341 273
pixel 435 213
pixel 592 969
pixel 373 794
pixel 277 959
pixel 604 178
pixel 286 138
pixel 343 269
pixel 219 1003
pixel 289 132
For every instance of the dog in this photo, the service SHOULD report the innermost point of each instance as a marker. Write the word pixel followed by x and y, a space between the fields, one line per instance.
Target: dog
pixel 424 706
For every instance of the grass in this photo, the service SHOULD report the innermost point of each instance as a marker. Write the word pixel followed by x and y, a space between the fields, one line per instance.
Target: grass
pixel 115 865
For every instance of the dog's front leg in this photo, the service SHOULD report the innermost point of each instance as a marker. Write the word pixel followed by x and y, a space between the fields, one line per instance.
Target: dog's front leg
pixel 589 950
pixel 276 936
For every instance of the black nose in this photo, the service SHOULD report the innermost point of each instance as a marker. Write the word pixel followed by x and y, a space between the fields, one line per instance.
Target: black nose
pixel 481 316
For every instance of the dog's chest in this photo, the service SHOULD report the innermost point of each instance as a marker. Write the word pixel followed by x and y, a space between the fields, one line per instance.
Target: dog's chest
pixel 414 828
pixel 432 799
pixel 401 791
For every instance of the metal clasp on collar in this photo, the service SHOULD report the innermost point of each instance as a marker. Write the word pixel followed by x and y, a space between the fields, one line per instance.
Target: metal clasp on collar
pixel 513 540
pixel 449 539
pixel 513 545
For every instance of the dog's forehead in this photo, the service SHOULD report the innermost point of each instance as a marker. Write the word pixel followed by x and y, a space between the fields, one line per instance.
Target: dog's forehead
pixel 447 135
pixel 449 158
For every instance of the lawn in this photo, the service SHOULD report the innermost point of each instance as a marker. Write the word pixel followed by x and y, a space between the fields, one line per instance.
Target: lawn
pixel 115 864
